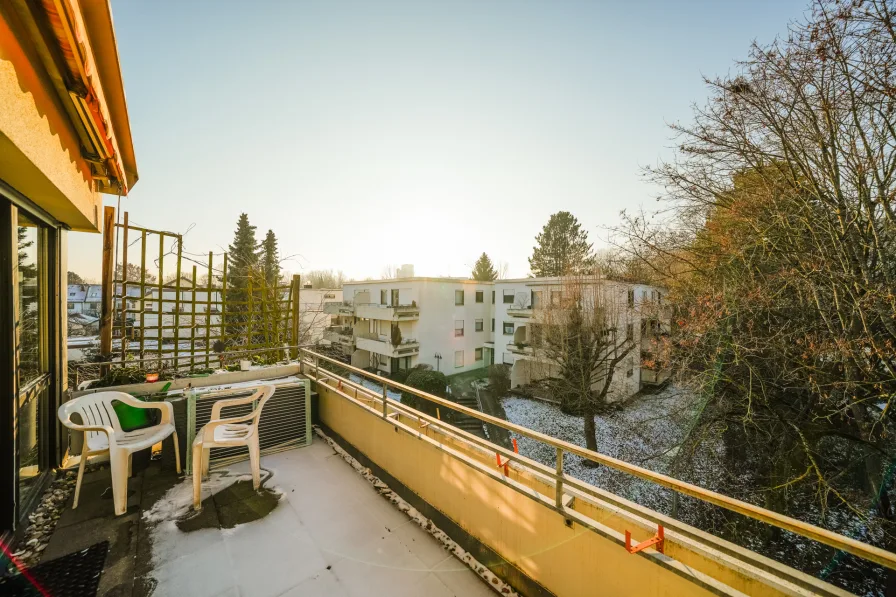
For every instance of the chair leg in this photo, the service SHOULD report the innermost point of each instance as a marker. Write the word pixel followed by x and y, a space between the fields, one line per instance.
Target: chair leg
pixel 84 454
pixel 206 462
pixel 176 452
pixel 197 476
pixel 120 463
pixel 254 462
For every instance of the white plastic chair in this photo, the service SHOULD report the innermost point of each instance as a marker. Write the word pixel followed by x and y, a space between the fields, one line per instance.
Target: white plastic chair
pixel 103 434
pixel 226 433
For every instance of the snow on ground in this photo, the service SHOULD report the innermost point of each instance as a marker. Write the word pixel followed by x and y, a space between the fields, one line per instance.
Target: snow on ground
pixel 644 432
pixel 376 387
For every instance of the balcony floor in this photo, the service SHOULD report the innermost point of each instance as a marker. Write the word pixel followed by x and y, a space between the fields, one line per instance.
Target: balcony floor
pixel 330 533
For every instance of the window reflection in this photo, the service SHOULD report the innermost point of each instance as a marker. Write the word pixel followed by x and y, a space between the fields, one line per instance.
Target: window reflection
pixel 29 301
pixel 30 330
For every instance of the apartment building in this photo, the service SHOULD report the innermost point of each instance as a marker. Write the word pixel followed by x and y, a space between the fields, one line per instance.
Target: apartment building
pixel 396 324
pixel 524 306
pixel 455 325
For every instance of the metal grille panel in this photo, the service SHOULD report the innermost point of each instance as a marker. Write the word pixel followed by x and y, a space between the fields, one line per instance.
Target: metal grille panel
pixel 285 421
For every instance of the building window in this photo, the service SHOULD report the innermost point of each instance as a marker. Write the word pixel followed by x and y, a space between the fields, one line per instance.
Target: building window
pixel 556 297
pixel 382 297
pixel 480 296
pixel 478 324
pixel 631 298
pixel 458 297
pixel 536 299
pixel 478 354
pixel 508 297
pixel 629 331
pixel 508 328
pixel 493 325
pixel 458 358
pixel 394 297
pixel 459 328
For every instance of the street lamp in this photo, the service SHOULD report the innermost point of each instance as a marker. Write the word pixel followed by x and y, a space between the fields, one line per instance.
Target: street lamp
pixel 438 360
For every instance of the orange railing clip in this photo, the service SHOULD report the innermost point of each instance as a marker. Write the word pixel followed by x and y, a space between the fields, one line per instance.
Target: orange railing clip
pixel 504 464
pixel 656 540
pixel 515 447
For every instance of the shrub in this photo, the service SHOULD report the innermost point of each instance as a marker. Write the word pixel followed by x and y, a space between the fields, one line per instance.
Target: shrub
pixel 425 380
pixel 499 379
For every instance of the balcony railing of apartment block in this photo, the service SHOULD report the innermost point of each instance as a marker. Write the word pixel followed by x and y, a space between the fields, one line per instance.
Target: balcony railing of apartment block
pixel 519 311
pixel 338 308
pixel 406 347
pixel 381 311
pixel 323 370
pixel 525 349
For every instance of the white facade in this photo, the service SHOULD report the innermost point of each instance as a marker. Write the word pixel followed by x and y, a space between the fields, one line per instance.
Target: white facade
pixel 314 321
pixel 520 309
pixel 444 323
pixel 456 325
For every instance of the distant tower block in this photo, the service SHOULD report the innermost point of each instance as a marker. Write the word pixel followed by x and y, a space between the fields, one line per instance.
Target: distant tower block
pixel 406 271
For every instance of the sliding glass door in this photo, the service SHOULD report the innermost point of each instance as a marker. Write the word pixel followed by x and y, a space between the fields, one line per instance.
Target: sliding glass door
pixel 31 337
pixel 33 370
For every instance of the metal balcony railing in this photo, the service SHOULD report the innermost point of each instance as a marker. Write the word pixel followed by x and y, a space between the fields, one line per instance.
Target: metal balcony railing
pixel 310 363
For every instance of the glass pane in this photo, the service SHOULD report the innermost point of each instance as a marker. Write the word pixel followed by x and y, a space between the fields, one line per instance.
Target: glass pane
pixel 29 416
pixel 30 327
pixel 30 291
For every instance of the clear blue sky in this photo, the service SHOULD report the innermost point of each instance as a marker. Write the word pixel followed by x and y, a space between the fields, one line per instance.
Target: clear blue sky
pixel 371 133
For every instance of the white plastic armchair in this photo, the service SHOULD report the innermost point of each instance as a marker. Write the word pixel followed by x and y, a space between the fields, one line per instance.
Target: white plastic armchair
pixel 103 433
pixel 221 433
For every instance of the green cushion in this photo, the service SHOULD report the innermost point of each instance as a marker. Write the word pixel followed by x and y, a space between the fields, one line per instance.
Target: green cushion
pixel 131 417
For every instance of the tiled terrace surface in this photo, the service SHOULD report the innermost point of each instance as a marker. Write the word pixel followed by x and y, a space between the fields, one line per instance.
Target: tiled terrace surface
pixel 330 533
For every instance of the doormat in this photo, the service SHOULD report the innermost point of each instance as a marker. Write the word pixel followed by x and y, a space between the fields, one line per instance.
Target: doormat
pixel 74 575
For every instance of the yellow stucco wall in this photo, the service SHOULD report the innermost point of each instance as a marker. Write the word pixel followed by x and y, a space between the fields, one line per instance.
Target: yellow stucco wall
pixel 39 152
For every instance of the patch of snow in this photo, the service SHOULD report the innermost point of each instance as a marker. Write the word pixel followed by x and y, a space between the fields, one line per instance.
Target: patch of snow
pixel 376 387
pixel 645 432
pixel 179 499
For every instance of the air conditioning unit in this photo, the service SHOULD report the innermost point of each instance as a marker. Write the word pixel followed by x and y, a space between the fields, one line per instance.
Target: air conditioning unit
pixel 285 421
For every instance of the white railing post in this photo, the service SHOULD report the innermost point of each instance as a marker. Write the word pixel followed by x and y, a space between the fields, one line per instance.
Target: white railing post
pixel 559 497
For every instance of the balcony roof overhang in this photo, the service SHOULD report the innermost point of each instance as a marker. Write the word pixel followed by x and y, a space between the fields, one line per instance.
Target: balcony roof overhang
pixel 75 40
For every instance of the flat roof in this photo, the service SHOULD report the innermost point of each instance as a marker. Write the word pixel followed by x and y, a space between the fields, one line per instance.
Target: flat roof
pixel 417 279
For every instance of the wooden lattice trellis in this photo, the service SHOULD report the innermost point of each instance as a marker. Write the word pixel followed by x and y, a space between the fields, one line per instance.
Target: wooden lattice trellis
pixel 181 321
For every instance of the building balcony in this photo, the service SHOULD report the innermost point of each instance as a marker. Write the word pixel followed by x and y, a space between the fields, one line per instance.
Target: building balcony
pixel 338 308
pixel 320 525
pixel 519 312
pixel 387 312
pixel 382 345
pixel 653 377
pixel 339 335
pixel 521 349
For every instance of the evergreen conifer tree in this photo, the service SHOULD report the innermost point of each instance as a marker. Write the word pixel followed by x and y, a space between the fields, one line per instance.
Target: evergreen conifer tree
pixel 562 248
pixel 270 259
pixel 484 269
pixel 242 258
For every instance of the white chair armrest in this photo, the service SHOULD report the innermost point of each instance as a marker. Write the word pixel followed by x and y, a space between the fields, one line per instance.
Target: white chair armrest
pixel 220 404
pixel 110 433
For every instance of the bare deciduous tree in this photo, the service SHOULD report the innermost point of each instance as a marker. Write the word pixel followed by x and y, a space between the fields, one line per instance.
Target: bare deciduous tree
pixel 583 332
pixel 779 246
